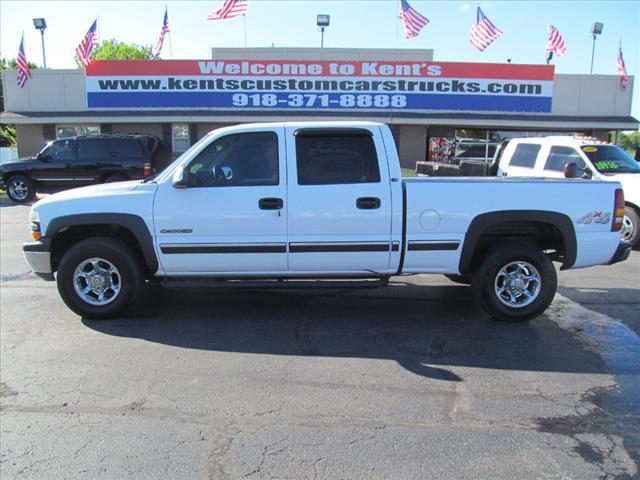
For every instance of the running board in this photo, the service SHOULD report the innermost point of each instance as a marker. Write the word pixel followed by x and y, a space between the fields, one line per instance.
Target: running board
pixel 207 283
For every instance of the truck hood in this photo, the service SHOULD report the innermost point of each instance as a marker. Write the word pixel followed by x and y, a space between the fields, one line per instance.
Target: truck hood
pixel 132 197
pixel 19 164
pixel 630 185
pixel 115 188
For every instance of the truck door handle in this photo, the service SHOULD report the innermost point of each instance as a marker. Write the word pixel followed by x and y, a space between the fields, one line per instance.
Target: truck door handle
pixel 270 204
pixel 368 203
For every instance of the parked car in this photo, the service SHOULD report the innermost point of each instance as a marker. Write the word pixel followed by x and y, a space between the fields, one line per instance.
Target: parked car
pixel 550 156
pixel 78 161
pixel 298 204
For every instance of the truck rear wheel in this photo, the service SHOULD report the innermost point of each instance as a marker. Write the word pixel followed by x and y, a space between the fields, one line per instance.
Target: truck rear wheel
pixel 630 226
pixel 99 278
pixel 515 282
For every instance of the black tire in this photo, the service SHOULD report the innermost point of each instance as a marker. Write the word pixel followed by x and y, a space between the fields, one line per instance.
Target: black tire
pixel 20 189
pixel 631 225
pixel 461 279
pixel 486 282
pixel 130 274
pixel 116 177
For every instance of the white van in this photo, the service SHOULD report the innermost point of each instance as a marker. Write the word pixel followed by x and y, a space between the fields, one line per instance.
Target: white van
pixel 551 157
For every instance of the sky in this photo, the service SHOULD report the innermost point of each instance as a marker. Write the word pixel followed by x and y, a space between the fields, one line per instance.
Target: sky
pixel 354 24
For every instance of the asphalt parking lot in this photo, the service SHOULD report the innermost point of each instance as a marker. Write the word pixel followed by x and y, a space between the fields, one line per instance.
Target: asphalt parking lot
pixel 411 381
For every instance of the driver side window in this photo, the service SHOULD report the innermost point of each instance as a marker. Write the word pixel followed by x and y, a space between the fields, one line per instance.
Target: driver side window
pixel 60 151
pixel 243 159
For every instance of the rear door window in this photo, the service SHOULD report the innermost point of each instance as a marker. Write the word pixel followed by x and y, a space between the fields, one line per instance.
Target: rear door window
pixel 335 158
pixel 559 157
pixel 525 155
pixel 124 147
pixel 92 149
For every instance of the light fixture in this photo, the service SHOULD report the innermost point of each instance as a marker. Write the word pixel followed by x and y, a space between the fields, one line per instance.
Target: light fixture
pixel 323 22
pixel 596 29
pixel 41 24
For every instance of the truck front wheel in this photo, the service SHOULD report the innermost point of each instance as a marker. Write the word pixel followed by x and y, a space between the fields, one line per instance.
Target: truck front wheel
pixel 99 278
pixel 515 282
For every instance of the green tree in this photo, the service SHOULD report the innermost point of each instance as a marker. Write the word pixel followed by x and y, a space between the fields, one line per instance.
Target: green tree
pixel 630 142
pixel 11 64
pixel 115 50
pixel 7 135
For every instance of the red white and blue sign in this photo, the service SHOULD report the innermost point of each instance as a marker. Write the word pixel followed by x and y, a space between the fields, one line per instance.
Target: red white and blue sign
pixel 318 85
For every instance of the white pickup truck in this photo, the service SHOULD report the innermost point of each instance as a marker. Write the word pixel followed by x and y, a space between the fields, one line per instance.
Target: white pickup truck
pixel 319 205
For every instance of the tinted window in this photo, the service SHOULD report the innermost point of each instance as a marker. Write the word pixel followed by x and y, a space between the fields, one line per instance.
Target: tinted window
pixel 90 149
pixel 60 151
pixel 324 159
pixel 525 155
pixel 237 160
pixel 124 147
pixel 611 159
pixel 560 156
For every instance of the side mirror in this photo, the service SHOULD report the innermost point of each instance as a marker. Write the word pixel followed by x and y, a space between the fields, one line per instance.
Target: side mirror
pixel 587 174
pixel 181 178
pixel 571 170
pixel 227 172
pixel 43 158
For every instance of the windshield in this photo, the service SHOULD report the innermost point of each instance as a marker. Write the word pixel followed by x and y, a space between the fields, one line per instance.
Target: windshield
pixel 611 159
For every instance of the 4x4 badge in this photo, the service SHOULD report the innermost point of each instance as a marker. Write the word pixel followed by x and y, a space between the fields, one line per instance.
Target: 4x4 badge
pixel 594 217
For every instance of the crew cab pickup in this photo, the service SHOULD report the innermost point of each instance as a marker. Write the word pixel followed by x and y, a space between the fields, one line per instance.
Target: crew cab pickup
pixel 315 205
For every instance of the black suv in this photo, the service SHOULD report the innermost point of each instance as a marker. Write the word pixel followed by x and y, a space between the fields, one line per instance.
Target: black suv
pixel 77 161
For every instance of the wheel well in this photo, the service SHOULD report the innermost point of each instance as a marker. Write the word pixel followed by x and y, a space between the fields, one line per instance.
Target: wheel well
pixel 545 236
pixel 64 239
pixel 635 207
pixel 9 175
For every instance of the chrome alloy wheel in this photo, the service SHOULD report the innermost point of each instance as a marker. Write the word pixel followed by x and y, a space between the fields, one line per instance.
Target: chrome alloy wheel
pixel 97 281
pixel 18 189
pixel 517 284
pixel 627 229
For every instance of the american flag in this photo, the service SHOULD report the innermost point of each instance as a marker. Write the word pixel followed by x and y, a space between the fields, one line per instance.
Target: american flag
pixel 483 32
pixel 84 50
pixel 230 9
pixel 24 73
pixel 165 29
pixel 621 71
pixel 556 42
pixel 413 20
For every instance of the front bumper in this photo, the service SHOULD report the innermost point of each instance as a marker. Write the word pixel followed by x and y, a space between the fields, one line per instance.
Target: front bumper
pixel 622 253
pixel 38 257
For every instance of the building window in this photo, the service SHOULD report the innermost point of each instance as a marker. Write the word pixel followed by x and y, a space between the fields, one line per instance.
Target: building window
pixel 180 137
pixel 66 131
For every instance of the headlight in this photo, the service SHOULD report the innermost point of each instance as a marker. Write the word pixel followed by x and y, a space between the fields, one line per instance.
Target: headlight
pixel 34 221
pixel 34 216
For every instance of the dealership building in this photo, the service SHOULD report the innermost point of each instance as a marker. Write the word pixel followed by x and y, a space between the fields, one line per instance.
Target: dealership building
pixel 437 110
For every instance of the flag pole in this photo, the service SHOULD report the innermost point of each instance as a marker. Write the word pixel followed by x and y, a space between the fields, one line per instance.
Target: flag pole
pixel 244 18
pixel 170 46
pixel 395 46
